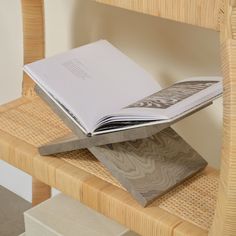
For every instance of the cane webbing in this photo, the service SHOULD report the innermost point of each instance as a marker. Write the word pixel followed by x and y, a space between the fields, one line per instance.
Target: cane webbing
pixel 35 123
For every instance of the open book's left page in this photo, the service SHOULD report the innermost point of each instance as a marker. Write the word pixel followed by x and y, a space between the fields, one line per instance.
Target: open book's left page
pixel 92 81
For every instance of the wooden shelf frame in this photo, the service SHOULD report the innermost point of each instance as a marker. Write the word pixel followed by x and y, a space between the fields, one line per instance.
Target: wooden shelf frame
pixel 205 14
pixel 218 15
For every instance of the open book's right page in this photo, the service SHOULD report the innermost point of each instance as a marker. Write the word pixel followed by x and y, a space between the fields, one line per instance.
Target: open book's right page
pixel 172 101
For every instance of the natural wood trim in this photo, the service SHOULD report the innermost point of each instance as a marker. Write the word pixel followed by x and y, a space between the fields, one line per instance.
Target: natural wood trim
pixel 94 192
pixel 208 16
pixel 187 229
pixel 34 49
pixel 203 13
pixel 13 104
pixel 40 192
pixel 225 218
pixel 34 45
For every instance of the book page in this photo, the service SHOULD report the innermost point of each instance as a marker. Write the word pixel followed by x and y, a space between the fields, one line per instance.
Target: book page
pixel 93 81
pixel 169 102
pixel 172 95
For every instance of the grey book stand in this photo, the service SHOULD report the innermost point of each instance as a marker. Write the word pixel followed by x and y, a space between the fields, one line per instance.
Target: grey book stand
pixel 148 161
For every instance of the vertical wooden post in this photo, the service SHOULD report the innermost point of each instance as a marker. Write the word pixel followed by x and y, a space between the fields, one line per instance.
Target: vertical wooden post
pixel 40 192
pixel 34 49
pixel 225 218
pixel 34 36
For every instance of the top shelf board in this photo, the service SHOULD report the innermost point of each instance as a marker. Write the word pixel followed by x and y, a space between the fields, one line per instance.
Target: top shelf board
pixel 203 13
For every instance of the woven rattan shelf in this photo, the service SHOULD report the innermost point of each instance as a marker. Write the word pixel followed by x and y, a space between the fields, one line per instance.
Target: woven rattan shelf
pixel 203 205
pixel 81 176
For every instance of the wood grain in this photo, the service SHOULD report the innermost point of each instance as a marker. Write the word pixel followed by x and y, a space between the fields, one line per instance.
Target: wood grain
pixel 20 137
pixel 187 229
pixel 225 217
pixel 34 38
pixel 34 49
pixel 40 192
pixel 104 197
pixel 149 167
pixel 196 12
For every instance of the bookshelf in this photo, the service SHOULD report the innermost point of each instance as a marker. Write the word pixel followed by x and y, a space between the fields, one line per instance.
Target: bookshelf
pixel 203 205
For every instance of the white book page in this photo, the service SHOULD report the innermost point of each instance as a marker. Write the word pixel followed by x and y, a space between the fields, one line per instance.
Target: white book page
pixel 172 101
pixel 93 81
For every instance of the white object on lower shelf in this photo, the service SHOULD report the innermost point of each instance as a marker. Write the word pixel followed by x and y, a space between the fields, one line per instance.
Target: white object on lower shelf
pixel 63 216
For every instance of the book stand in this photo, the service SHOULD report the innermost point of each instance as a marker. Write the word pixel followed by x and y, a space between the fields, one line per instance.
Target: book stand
pixel 148 161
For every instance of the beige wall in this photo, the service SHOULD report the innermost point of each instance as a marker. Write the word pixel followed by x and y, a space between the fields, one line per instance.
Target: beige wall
pixel 169 51
pixel 10 50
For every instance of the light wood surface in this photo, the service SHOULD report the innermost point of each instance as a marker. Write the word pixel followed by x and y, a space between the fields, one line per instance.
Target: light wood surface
pixel 103 196
pixel 40 192
pixel 34 45
pixel 34 49
pixel 76 174
pixel 196 12
pixel 225 219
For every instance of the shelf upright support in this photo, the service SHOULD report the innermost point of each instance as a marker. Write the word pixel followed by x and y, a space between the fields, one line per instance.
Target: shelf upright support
pixel 225 217
pixel 34 38
pixel 34 49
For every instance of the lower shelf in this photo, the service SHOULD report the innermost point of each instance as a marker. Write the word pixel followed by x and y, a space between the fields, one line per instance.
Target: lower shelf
pixel 27 124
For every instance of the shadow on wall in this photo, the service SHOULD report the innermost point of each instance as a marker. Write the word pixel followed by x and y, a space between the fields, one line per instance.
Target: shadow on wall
pixel 170 51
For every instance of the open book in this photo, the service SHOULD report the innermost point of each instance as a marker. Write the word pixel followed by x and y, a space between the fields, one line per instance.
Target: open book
pixel 103 90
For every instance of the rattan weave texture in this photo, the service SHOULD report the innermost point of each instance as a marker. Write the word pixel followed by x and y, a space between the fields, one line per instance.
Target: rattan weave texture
pixel 35 123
